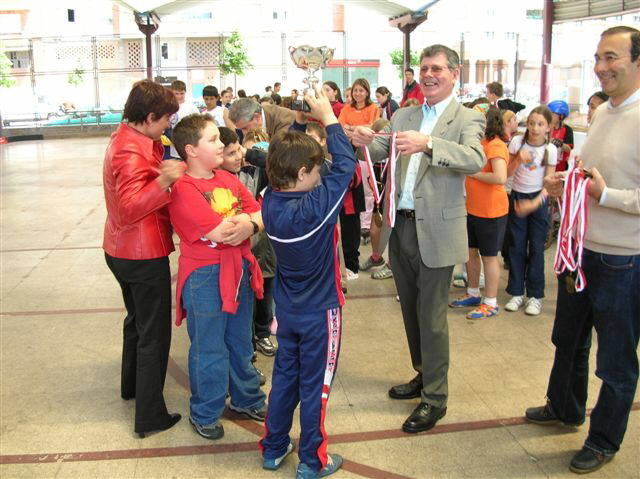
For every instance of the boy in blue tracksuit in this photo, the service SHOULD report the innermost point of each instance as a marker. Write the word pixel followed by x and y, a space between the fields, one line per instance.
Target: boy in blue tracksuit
pixel 300 211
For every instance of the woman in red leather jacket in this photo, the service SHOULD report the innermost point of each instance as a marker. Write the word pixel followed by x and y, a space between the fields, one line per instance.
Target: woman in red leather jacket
pixel 137 243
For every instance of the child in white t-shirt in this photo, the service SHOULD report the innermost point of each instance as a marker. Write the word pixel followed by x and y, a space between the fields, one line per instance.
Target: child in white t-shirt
pixel 532 158
pixel 179 89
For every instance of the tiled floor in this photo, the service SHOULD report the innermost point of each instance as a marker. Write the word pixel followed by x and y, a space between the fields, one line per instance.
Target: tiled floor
pixel 61 413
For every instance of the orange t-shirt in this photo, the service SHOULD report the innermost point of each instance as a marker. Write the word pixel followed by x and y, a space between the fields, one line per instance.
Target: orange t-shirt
pixel 353 117
pixel 485 200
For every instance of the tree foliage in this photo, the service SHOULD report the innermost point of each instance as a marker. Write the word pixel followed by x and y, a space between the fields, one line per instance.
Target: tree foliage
pixel 6 80
pixel 234 58
pixel 397 57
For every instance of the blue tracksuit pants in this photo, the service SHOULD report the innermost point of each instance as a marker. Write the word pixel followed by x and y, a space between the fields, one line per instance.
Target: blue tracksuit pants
pixel 305 364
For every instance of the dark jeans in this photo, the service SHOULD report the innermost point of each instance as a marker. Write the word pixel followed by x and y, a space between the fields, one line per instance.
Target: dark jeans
pixel 350 234
pixel 526 251
pixel 610 304
pixel 146 289
pixel 263 313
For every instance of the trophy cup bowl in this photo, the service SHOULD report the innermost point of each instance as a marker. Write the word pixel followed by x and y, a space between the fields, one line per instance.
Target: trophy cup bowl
pixel 311 59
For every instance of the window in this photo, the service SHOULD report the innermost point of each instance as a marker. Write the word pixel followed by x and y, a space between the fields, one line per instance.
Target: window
pixel 275 15
pixel 164 51
pixel 489 35
pixel 71 15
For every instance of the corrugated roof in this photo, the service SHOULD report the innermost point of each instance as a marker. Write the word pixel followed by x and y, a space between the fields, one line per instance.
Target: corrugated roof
pixel 390 9
pixel 570 10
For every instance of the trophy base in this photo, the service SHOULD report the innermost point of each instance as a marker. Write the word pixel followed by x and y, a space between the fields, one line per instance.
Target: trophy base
pixel 300 105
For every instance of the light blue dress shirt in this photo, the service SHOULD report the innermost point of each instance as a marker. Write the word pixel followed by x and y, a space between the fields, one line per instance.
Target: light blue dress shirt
pixel 430 116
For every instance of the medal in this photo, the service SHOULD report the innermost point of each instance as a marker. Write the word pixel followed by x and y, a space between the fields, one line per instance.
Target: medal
pixel 570 284
pixel 377 219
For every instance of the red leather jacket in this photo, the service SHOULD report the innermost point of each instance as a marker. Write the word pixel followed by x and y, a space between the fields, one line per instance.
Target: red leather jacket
pixel 137 225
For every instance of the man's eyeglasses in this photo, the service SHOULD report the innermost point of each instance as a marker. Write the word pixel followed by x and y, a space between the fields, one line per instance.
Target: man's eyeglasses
pixel 435 69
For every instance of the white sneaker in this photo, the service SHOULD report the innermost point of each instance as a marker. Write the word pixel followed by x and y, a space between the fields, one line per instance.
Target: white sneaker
pixel 534 307
pixel 514 303
pixel 351 275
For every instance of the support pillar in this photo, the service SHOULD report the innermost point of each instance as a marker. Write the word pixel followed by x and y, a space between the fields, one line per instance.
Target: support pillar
pixel 547 27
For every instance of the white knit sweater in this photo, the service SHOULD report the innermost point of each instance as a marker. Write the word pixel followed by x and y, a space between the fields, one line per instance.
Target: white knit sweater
pixel 613 147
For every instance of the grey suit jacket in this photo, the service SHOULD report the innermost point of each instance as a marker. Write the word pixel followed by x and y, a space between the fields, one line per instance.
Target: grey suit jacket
pixel 439 199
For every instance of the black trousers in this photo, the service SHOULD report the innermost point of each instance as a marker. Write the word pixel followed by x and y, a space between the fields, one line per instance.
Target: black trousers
pixel 263 312
pixel 146 289
pixel 350 236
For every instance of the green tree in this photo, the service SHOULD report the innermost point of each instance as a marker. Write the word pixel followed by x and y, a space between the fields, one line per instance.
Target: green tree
pixel 234 58
pixel 6 80
pixel 76 77
pixel 397 57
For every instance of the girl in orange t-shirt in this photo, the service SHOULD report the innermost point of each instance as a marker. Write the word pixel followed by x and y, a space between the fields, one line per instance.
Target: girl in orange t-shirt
pixel 487 210
pixel 361 111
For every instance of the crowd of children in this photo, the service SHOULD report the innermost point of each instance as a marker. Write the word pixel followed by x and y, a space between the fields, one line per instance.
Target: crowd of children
pixel 246 224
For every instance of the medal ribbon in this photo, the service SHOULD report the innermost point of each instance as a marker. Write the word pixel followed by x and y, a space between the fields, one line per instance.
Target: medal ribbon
pixel 391 180
pixel 573 226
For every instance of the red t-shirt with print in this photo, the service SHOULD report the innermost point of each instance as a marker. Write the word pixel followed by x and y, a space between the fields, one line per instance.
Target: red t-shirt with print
pixel 197 206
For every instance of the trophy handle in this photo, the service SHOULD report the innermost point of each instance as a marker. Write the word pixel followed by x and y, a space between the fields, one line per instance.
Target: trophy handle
pixel 292 49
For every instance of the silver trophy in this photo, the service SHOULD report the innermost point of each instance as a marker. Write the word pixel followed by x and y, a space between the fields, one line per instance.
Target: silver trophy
pixel 311 59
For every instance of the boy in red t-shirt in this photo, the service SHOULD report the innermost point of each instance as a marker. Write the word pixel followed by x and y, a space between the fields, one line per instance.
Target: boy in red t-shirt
pixel 214 215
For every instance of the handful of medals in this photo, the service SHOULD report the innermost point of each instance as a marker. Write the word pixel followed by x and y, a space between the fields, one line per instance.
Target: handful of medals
pixel 573 228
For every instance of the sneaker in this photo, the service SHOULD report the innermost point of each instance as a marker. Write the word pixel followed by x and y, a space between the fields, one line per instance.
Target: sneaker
pixel 483 311
pixel 274 464
pixel 213 431
pixel 370 263
pixel 383 273
pixel 514 303
pixel 460 280
pixel 587 460
pixel 365 237
pixel 351 275
pixel 261 376
pixel 534 307
pixel 265 346
pixel 544 415
pixel 257 414
pixel 466 301
pixel 334 462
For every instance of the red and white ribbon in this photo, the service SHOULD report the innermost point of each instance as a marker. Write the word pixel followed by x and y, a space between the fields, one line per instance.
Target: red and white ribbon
pixel 390 191
pixel 573 226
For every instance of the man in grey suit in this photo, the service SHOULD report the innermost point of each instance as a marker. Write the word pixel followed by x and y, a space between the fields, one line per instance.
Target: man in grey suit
pixel 439 143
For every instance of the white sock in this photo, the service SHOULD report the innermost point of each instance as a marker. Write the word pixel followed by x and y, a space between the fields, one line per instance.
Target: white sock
pixel 475 292
pixel 493 302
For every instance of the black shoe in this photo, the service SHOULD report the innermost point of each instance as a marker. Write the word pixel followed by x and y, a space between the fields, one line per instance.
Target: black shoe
pixel 587 460
pixel 173 420
pixel 213 432
pixel 544 415
pixel 423 418
pixel 407 391
pixel 265 346
pixel 262 377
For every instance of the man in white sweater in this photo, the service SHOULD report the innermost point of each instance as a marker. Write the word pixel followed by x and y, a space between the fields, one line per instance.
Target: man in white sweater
pixel 610 303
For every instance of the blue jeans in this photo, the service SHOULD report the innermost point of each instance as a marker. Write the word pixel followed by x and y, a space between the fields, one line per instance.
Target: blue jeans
pixel 610 304
pixel 221 349
pixel 526 249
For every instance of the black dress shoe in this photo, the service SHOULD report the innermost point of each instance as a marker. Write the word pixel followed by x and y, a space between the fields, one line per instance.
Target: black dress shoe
pixel 173 420
pixel 407 391
pixel 587 460
pixel 423 418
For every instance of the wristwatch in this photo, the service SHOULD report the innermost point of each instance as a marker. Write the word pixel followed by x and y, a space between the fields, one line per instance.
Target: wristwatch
pixel 429 148
pixel 256 228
